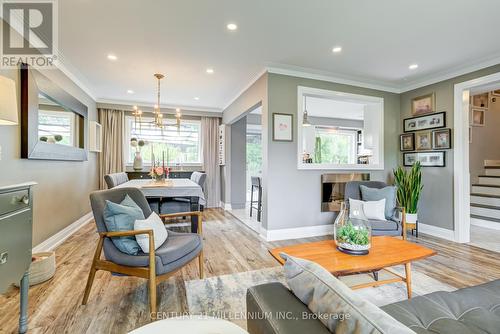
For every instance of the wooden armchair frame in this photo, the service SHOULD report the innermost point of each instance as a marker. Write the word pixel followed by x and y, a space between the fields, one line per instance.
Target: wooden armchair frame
pixel 149 272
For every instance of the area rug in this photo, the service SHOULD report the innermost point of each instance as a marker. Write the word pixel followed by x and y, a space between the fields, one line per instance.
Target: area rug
pixel 225 296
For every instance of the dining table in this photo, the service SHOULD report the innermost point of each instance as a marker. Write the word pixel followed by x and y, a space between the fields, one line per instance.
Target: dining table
pixel 172 188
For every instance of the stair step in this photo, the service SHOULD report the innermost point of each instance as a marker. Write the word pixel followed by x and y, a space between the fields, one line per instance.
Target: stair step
pixel 485 218
pixel 491 163
pixel 492 171
pixel 485 212
pixel 485 189
pixel 479 199
pixel 485 206
pixel 489 180
pixel 492 176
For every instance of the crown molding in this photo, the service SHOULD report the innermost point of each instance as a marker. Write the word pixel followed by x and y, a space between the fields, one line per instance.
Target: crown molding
pixel 148 105
pixel 75 78
pixel 450 74
pixel 245 88
pixel 329 77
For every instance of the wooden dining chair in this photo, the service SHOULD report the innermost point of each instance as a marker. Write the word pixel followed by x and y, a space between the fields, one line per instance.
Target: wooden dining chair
pixel 177 251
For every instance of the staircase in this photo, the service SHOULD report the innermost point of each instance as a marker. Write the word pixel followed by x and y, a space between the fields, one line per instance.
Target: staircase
pixel 485 196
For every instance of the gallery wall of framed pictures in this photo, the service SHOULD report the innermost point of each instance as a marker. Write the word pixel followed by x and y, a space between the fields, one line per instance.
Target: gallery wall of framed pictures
pixel 425 134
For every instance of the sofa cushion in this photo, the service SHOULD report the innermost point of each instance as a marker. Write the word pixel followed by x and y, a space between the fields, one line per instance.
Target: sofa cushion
pixel 176 246
pixel 388 193
pixel 470 310
pixel 121 217
pixel 338 308
pixel 383 225
pixel 160 233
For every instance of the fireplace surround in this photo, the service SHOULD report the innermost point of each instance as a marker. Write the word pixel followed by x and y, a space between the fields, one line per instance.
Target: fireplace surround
pixel 333 189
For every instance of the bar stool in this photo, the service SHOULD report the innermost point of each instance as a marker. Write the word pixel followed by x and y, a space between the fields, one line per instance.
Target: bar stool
pixel 256 183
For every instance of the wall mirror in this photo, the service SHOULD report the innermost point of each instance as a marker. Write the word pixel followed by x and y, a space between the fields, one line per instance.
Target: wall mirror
pixel 53 122
pixel 339 131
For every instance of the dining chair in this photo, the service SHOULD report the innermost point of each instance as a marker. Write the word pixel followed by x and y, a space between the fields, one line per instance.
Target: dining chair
pixel 179 204
pixel 256 185
pixel 115 179
pixel 176 252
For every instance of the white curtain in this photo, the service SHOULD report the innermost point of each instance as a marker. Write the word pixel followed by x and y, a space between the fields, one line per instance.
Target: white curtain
pixel 210 134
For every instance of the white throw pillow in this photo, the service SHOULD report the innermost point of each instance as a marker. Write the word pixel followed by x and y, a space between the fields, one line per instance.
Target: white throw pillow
pixel 160 233
pixel 374 209
pixel 356 209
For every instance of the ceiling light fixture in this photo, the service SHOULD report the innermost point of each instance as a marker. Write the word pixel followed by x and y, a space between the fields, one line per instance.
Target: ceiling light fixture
pixel 210 70
pixel 413 66
pixel 137 113
pixel 158 119
pixel 232 26
pixel 178 118
pixel 112 57
pixel 196 98
pixel 130 91
pixel 337 49
pixel 305 119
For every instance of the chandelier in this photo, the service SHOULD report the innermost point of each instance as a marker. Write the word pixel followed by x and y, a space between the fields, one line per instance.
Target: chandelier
pixel 158 116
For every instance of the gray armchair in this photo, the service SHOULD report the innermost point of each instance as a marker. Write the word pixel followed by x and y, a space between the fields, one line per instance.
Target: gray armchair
pixel 113 180
pixel 177 251
pixel 389 227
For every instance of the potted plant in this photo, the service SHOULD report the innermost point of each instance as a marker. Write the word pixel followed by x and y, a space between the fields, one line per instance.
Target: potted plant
pixel 409 187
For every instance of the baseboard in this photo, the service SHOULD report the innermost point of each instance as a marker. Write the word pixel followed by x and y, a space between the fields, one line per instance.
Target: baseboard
pixel 485 223
pixel 62 235
pixel 296 233
pixel 435 231
pixel 225 206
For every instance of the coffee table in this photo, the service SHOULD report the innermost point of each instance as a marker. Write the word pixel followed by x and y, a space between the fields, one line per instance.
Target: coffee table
pixel 385 252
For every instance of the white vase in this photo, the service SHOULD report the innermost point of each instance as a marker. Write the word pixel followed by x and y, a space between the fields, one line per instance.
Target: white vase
pixel 411 218
pixel 138 161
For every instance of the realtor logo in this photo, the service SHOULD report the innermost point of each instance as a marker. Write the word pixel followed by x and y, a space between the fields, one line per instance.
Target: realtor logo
pixel 29 33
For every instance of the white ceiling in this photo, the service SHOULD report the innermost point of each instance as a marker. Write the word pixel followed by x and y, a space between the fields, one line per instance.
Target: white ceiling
pixel 321 107
pixel 380 39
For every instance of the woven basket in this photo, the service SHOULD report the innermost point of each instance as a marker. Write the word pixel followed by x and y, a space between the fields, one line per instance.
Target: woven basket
pixel 42 268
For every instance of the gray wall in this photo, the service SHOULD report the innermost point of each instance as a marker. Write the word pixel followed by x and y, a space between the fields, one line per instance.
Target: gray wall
pixel 238 163
pixel 485 141
pixel 436 204
pixel 294 196
pixel 61 196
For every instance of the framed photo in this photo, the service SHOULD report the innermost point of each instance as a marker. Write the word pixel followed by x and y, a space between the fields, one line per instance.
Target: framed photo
pixel 477 116
pixel 423 104
pixel 480 100
pixel 427 159
pixel 496 93
pixel 432 121
pixel 423 141
pixel 407 142
pixel 441 139
pixel 282 127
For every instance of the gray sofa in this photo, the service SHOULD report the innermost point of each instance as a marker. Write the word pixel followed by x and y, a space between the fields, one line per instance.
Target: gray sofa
pixel 389 227
pixel 466 311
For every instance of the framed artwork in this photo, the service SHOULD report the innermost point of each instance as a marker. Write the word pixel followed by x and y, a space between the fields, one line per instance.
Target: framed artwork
pixel 407 142
pixel 477 116
pixel 432 121
pixel 427 159
pixel 496 93
pixel 423 104
pixel 423 141
pixel 282 127
pixel 480 100
pixel 441 139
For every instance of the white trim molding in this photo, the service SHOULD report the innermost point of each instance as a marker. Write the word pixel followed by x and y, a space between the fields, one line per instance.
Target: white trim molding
pixel 437 232
pixel 296 233
pixel 461 176
pixel 62 235
pixel 225 206
pixel 485 223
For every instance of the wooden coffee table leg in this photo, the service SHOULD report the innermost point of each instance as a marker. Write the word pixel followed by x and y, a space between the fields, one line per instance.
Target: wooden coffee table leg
pixel 408 278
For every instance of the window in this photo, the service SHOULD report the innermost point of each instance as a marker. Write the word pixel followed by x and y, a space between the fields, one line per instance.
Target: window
pixel 57 124
pixel 180 145
pixel 335 146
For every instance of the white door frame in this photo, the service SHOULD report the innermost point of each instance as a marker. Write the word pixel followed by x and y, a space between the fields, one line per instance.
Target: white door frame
pixel 461 174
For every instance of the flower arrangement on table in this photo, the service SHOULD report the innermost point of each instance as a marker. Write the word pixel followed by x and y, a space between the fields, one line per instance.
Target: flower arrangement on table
pixel 159 173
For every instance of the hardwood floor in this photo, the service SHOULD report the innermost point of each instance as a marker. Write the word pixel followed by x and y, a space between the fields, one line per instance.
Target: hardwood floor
pixel 119 304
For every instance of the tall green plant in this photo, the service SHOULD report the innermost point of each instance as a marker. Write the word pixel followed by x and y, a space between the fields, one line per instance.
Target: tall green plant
pixel 409 186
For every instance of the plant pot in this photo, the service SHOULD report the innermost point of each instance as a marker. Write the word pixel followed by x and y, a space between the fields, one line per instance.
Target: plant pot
pixel 42 268
pixel 137 161
pixel 411 218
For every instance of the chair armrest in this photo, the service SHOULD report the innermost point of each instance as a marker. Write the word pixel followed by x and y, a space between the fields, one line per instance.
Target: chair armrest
pixel 125 233
pixel 180 214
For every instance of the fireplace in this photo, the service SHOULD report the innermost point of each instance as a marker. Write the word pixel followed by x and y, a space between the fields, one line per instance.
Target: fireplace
pixel 333 189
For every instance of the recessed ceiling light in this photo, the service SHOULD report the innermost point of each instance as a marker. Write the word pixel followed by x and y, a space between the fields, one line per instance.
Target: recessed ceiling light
pixel 112 57
pixel 130 91
pixel 210 70
pixel 413 66
pixel 232 26
pixel 337 49
pixel 196 98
